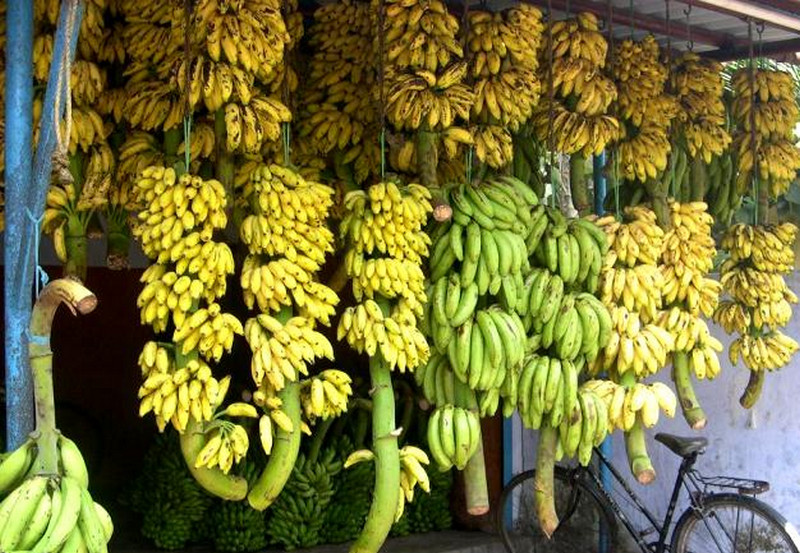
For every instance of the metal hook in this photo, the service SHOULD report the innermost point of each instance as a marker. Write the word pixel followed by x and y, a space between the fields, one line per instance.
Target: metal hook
pixel 689 40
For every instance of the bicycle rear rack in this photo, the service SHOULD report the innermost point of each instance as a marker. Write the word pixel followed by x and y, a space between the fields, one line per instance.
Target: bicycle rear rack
pixel 741 485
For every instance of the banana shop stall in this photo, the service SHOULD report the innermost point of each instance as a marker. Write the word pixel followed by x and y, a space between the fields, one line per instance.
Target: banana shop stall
pixel 342 253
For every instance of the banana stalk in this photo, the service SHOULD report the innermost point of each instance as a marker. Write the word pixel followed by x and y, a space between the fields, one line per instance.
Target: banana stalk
pixel 579 184
pixel 284 453
pixel 214 481
pixel 753 389
pixel 387 461
pixel 427 157
pixel 79 300
pixel 636 447
pixel 476 488
pixel 119 239
pixel 77 244
pixel 543 482
pixel 690 406
pixel 320 431
pixel 658 195
pixel 699 179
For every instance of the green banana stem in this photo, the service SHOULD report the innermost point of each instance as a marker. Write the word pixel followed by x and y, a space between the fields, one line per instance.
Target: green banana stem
pixel 387 461
pixel 636 447
pixel 579 184
pixel 360 428
pixel 753 389
pixel 699 176
pixel 284 453
pixel 214 481
pixel 690 406
pixel 543 482
pixel 225 170
pixel 119 239
pixel 77 244
pixel 79 300
pixel 409 407
pixel 172 138
pixel 658 196
pixel 476 487
pixel 320 431
pixel 427 158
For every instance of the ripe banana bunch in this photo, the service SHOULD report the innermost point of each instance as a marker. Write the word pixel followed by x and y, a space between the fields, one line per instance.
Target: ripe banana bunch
pixel 282 351
pixel 547 391
pixel 645 154
pixel 634 346
pixel 735 317
pixel 250 127
pixel 750 287
pixel 139 151
pixel 771 351
pixel 389 278
pixel 585 424
pixel 176 394
pixel 698 85
pixel 42 56
pixel 769 248
pixel 641 78
pixel 575 120
pixel 638 289
pixel 765 110
pixel 202 144
pixel 395 334
pixel 326 395
pixel 643 401
pixel 386 219
pixel 438 381
pixel 493 145
pixel 208 331
pixel 418 34
pixel 86 129
pixel 639 241
pixel 506 90
pixel 226 444
pixel 454 434
pixel 419 98
pixel 87 81
pixel 692 336
pixel 412 472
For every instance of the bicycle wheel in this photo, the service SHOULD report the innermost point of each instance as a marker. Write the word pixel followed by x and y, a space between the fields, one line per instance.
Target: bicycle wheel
pixel 731 523
pixel 584 519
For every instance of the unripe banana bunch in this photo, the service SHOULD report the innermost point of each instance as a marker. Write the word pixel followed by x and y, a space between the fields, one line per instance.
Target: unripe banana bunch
pixel 175 207
pixel 770 105
pixel 547 390
pixel 175 394
pixel 53 513
pixel 585 425
pixel 282 351
pixel 419 98
pixel 698 85
pixel 326 395
pixel 418 34
pixel 770 351
pixel 226 444
pixel 395 334
pixel 454 434
pixel 506 91
pixel 634 242
pixel 644 349
pixel 438 381
pixel 769 248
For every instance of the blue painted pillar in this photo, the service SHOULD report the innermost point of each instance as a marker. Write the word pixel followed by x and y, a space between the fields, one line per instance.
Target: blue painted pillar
pixel 18 177
pixel 26 191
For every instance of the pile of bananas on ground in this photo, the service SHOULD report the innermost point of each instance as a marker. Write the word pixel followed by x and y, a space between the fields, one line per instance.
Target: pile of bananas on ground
pixel 503 50
pixel 287 239
pixel 688 293
pixel 297 518
pixel 766 100
pixel 698 85
pixel 386 247
pixel 50 512
pixel 644 109
pixel 632 287
pixel 338 112
pixel 759 301
pixel 582 92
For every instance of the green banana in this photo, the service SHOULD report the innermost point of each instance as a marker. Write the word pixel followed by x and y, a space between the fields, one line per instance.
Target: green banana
pixel 439 299
pixel 476 355
pixel 467 302
pixel 452 297
pixel 491 338
pixel 434 441
pixel 553 384
pixel 457 241
pixel 489 252
pixel 446 432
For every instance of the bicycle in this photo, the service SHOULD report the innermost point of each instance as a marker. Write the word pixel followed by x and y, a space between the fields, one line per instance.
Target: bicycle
pixel 723 515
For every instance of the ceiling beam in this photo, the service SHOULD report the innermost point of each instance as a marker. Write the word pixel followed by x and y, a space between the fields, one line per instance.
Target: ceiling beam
pixel 644 22
pixel 744 9
pixel 789 6
pixel 768 49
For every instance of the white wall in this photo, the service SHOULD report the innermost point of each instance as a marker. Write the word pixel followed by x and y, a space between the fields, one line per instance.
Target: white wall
pixel 763 443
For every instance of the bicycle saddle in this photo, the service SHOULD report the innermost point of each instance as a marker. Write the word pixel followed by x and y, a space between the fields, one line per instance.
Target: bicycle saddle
pixel 682 446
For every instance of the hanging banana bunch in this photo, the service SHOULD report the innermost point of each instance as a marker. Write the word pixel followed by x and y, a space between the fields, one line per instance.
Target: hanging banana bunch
pixel 760 301
pixel 287 240
pixel 503 52
pixel 176 231
pixel 338 113
pixel 582 91
pixel 768 106
pixel 386 246
pixel 689 294
pixel 631 286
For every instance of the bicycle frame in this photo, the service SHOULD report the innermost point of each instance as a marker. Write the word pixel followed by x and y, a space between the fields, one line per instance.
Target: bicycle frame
pixel 661 527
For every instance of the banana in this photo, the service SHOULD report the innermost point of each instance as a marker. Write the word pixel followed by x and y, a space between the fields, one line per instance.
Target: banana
pixel 72 462
pixel 434 441
pixel 15 466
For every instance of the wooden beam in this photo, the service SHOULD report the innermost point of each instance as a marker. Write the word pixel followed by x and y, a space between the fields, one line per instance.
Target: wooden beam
pixel 789 6
pixel 745 9
pixel 768 49
pixel 656 25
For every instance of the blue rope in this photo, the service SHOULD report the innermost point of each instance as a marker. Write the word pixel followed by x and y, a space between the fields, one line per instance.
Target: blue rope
pixel 42 278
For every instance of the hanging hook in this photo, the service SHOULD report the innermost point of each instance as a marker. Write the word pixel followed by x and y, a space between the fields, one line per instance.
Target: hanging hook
pixel 689 40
